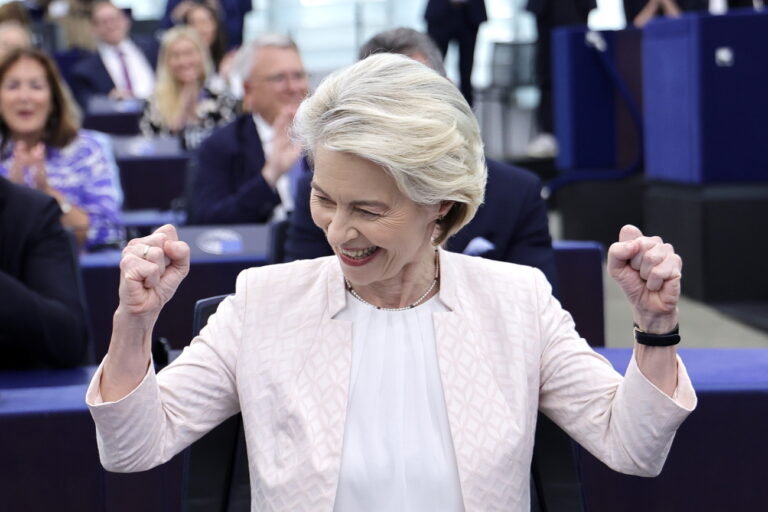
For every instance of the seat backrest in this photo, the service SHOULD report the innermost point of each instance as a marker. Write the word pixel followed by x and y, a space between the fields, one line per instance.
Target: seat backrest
pixel 278 231
pixel 210 460
pixel 579 266
pixel 204 308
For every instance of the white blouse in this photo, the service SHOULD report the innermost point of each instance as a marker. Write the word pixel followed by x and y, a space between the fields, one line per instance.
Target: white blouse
pixel 398 452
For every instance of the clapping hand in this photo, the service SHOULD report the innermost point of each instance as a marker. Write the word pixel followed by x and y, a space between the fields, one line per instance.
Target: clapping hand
pixel 32 158
pixel 284 151
pixel 648 271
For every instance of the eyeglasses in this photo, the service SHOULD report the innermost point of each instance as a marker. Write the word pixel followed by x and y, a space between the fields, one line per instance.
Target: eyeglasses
pixel 283 78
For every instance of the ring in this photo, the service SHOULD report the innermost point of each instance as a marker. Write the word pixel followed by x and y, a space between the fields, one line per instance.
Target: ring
pixel 146 250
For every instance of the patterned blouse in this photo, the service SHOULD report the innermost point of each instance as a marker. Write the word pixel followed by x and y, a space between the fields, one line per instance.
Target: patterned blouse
pixel 214 108
pixel 87 175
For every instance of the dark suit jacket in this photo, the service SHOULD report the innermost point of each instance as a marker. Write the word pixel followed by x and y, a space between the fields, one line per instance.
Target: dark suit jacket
pixel 513 218
pixel 538 7
pixel 90 77
pixel 42 316
pixel 227 187
pixel 438 10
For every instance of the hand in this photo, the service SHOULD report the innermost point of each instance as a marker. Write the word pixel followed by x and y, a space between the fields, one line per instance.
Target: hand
pixel 285 152
pixel 120 94
pixel 151 270
pixel 29 158
pixel 189 94
pixel 649 272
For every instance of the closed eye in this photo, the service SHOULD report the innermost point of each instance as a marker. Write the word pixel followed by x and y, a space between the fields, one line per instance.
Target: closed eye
pixel 367 213
pixel 322 199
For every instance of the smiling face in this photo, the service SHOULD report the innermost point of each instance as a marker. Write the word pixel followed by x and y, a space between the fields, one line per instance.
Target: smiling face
pixel 25 98
pixel 184 61
pixel 277 81
pixel 381 237
pixel 110 24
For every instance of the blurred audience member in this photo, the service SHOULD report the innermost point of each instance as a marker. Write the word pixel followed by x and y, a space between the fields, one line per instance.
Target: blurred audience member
pixel 457 20
pixel 15 11
pixel 73 18
pixel 42 147
pixel 241 172
pixel 13 35
pixel 207 23
pixel 186 102
pixel 120 68
pixel 233 12
pixel 551 14
pixel 42 318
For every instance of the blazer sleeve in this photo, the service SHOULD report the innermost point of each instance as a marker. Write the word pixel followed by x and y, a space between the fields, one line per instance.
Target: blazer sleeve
pixel 218 197
pixel 42 317
pixel 626 422
pixel 169 411
pixel 304 239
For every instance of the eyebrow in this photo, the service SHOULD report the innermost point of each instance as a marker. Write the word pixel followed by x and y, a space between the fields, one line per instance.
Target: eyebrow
pixel 363 202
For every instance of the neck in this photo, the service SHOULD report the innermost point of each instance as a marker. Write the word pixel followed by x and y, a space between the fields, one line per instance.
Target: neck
pixel 29 139
pixel 406 288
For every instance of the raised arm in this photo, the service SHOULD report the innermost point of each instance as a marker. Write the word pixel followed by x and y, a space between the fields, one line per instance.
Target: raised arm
pixel 151 270
pixel 649 271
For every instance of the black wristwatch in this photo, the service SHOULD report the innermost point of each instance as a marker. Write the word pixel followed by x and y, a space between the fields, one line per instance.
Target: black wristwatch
pixel 658 340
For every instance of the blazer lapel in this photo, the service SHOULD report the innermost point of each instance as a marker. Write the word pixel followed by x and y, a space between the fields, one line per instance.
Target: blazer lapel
pixel 479 416
pixel 323 387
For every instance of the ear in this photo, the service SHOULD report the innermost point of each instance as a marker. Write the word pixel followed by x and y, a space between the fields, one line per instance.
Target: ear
pixel 445 207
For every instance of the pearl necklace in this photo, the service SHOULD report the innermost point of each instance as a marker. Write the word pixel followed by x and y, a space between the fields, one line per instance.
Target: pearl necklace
pixel 410 306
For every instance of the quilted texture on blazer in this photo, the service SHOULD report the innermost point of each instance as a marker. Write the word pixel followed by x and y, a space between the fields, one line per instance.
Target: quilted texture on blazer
pixel 505 349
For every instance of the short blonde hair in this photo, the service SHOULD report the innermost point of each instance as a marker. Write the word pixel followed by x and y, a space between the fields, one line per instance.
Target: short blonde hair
pixel 415 124
pixel 167 95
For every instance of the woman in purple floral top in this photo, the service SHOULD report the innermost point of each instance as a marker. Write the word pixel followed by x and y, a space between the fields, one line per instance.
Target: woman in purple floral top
pixel 42 147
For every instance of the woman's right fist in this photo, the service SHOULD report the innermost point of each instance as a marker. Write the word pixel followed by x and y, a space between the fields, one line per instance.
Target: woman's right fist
pixel 151 270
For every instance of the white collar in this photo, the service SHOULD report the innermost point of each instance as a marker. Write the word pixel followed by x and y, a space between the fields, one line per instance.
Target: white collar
pixel 264 129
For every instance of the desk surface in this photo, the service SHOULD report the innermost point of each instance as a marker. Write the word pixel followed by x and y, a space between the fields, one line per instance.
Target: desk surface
pixel 713 370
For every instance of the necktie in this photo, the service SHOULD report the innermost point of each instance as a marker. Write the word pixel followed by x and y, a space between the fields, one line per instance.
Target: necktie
pixel 126 76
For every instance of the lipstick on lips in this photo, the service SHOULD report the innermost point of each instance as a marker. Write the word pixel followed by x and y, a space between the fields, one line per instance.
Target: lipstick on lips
pixel 357 261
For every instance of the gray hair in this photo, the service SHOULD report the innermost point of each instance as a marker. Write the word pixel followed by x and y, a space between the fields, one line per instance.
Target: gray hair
pixel 415 124
pixel 243 63
pixel 406 41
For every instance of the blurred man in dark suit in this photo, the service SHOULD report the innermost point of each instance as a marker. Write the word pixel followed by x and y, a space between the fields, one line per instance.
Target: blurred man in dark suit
pixel 42 316
pixel 243 172
pixel 457 20
pixel 510 226
pixel 120 67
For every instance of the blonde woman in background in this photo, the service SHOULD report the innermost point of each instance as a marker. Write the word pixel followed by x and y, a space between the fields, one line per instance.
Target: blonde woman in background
pixel 187 101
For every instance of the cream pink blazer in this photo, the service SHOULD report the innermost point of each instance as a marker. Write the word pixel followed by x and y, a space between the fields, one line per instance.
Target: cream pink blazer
pixel 275 352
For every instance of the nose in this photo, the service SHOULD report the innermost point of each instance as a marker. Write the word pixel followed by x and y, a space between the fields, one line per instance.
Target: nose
pixel 297 83
pixel 340 230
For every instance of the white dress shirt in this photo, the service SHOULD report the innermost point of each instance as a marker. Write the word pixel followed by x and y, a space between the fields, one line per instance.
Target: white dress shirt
pixel 398 453
pixel 139 70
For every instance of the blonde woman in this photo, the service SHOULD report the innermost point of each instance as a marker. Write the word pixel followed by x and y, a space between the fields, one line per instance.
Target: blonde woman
pixel 392 375
pixel 187 101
